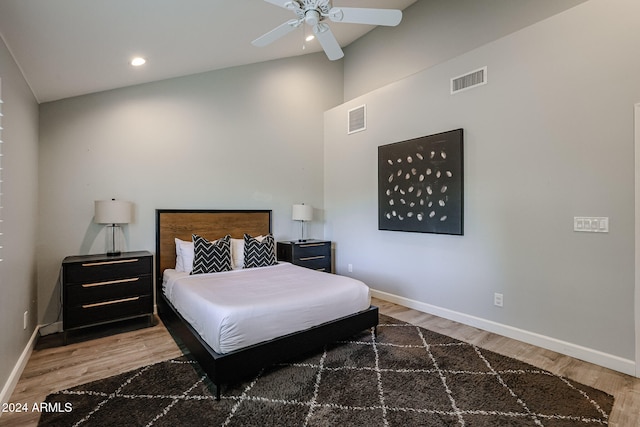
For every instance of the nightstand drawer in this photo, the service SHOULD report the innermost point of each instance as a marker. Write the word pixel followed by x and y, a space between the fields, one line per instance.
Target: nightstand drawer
pixel 310 251
pixel 107 311
pixel 321 263
pixel 105 270
pixel 108 290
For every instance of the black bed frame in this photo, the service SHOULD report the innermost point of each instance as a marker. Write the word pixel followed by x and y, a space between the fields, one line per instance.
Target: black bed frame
pixel 234 366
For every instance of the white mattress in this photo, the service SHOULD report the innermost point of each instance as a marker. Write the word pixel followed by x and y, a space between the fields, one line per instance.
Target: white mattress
pixel 239 308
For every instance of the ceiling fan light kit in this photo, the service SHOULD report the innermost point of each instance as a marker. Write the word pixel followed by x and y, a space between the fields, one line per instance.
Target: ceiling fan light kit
pixel 314 12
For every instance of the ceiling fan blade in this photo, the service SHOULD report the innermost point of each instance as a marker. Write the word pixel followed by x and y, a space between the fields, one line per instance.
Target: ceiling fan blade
pixel 328 41
pixel 356 15
pixel 276 33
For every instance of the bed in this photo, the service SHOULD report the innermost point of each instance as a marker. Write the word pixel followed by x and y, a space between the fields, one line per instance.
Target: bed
pixel 231 359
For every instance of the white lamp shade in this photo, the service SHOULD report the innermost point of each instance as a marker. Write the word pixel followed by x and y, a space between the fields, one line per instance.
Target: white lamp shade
pixel 113 212
pixel 302 213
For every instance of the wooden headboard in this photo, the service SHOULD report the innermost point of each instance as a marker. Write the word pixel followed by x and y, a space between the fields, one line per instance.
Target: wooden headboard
pixel 210 224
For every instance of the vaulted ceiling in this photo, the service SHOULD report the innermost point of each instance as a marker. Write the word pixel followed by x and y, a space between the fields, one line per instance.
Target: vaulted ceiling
pixel 73 47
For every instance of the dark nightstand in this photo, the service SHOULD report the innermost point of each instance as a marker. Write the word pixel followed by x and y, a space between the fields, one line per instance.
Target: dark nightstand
pixel 314 254
pixel 99 289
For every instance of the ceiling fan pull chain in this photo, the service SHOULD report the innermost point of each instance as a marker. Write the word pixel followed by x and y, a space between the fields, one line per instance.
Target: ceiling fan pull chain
pixel 304 37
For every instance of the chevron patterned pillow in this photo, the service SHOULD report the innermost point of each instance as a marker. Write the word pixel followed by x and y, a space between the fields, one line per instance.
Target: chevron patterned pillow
pixel 211 257
pixel 259 253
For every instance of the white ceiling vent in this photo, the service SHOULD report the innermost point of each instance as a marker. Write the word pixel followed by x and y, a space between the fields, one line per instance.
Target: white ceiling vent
pixel 357 120
pixel 468 81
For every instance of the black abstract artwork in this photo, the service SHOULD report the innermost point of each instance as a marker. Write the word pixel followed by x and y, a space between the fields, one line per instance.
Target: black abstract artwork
pixel 420 184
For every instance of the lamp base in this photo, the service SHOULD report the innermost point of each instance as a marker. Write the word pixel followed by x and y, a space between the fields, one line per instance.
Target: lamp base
pixel 113 240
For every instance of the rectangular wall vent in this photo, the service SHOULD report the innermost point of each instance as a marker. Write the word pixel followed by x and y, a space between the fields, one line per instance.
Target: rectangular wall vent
pixel 470 80
pixel 357 120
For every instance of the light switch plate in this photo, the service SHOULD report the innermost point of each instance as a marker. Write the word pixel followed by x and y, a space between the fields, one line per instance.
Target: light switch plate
pixel 591 224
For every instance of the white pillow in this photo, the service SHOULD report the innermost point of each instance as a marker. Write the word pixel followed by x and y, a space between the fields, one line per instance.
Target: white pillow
pixel 184 255
pixel 237 252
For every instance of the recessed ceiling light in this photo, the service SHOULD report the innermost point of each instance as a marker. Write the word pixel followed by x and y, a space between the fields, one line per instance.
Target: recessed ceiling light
pixel 310 37
pixel 138 61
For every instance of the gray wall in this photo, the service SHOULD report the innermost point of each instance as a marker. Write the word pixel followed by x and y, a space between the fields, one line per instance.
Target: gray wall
pixel 248 137
pixel 435 31
pixel 20 210
pixel 548 138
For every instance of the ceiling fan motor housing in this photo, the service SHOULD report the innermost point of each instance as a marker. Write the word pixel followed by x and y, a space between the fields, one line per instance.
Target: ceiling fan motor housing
pixel 306 8
pixel 312 17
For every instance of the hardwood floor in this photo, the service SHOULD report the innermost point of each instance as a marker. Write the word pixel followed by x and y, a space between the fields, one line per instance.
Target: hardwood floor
pixel 625 388
pixel 54 367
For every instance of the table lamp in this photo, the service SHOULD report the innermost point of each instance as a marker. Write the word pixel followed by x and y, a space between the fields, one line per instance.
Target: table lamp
pixel 302 213
pixel 113 212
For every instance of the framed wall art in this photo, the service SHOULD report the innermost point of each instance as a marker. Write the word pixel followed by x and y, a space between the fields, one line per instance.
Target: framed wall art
pixel 420 184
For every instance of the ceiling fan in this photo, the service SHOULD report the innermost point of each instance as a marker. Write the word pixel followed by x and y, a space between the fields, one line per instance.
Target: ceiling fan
pixel 315 12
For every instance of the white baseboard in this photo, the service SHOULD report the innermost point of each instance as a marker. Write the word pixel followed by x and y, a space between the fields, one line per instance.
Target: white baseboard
pixel 597 357
pixel 12 381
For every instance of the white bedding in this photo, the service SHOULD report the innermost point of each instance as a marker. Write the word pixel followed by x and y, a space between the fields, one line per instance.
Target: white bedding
pixel 239 308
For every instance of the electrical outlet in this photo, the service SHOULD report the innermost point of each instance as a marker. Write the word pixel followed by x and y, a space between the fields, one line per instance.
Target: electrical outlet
pixel 350 268
pixel 25 319
pixel 498 299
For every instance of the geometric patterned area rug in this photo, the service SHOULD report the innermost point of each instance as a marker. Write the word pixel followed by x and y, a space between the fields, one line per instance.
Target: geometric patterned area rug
pixel 404 376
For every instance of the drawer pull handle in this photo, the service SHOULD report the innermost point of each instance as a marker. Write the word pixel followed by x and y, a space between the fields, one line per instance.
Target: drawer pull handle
pixel 111 282
pixel 312 245
pixel 120 261
pixel 118 301
pixel 309 258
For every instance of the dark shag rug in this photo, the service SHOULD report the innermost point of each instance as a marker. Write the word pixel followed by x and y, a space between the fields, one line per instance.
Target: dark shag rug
pixel 406 376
